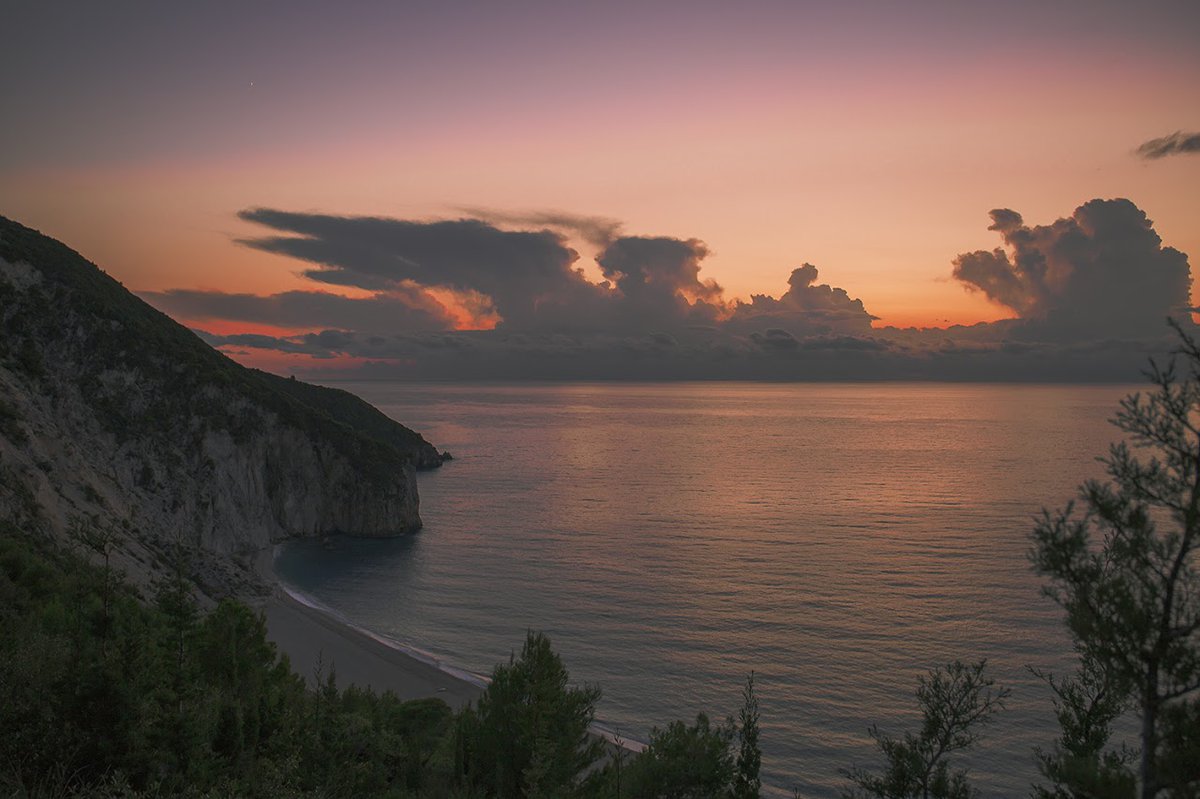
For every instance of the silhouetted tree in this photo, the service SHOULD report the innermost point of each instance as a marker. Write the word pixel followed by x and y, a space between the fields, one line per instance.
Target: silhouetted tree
pixel 100 538
pixel 619 755
pixel 683 762
pixel 746 780
pixel 528 733
pixel 1126 572
pixel 955 701
pixel 1081 762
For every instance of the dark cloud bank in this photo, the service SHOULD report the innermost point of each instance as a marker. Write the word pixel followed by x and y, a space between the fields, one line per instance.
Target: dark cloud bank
pixel 1090 294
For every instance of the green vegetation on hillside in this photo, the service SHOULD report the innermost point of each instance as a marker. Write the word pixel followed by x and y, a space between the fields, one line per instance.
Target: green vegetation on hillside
pixel 104 695
pixel 100 693
pixel 349 410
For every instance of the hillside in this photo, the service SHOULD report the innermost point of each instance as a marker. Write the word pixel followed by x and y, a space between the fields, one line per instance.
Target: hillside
pixel 118 423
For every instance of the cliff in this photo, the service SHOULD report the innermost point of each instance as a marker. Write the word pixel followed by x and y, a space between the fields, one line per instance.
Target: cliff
pixel 116 420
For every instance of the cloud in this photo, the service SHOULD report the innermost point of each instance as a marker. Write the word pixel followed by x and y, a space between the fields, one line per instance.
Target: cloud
pixel 775 339
pixel 657 281
pixel 766 355
pixel 528 276
pixel 402 308
pixel 528 279
pixel 1100 272
pixel 699 355
pixel 1178 143
pixel 1089 294
pixel 597 230
pixel 806 307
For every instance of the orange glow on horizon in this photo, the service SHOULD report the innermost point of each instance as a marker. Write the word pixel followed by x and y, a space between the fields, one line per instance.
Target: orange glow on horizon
pixel 227 327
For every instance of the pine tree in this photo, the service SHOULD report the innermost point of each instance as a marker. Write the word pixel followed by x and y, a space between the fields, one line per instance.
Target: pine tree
pixel 955 701
pixel 529 735
pixel 685 762
pixel 1081 762
pixel 1126 572
pixel 746 781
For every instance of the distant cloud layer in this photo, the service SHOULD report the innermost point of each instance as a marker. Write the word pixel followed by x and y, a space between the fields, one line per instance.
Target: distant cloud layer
pixel 403 308
pixel 500 295
pixel 1178 143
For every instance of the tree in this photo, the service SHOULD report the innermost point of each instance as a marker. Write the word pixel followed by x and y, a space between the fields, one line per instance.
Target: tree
pixel 100 538
pixel 1126 573
pixel 746 781
pixel 683 762
pixel 528 735
pixel 1081 762
pixel 955 701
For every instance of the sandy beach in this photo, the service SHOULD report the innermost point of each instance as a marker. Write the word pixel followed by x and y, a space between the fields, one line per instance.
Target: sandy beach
pixel 312 637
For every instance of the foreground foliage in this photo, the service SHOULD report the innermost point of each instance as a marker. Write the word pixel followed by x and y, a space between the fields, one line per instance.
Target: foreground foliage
pixel 1126 572
pixel 103 694
pixel 955 702
pixel 528 734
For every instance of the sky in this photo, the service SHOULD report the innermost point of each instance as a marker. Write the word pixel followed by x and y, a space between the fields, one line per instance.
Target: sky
pixel 761 189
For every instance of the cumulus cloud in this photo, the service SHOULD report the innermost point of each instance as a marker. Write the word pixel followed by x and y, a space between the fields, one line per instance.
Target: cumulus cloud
pixel 1089 294
pixel 806 307
pixel 1100 272
pixel 657 280
pixel 1178 143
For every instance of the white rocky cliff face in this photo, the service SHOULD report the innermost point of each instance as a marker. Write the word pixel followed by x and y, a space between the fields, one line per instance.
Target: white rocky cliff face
pixel 114 417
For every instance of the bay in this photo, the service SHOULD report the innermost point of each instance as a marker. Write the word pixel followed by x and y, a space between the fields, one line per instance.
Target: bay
pixel 838 540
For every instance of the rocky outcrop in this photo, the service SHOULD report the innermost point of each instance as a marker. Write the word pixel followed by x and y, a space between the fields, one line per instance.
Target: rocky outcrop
pixel 114 417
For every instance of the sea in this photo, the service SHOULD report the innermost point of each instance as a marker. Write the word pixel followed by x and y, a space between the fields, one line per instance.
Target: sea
pixel 837 541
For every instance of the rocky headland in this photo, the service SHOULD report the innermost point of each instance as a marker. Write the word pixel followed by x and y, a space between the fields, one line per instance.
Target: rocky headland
pixel 121 432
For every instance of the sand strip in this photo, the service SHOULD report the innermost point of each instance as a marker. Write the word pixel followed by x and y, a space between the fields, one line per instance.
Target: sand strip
pixel 313 637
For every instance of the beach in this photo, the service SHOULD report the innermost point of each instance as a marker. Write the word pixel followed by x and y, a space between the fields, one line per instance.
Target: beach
pixel 315 639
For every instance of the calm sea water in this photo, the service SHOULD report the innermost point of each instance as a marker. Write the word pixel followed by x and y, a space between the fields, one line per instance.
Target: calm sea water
pixel 836 540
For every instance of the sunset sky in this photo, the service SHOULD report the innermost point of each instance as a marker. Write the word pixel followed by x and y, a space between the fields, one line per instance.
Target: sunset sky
pixel 870 139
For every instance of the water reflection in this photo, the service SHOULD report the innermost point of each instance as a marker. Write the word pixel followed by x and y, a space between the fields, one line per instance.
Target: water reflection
pixel 837 539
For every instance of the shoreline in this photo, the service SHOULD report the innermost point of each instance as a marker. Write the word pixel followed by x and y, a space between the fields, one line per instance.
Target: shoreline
pixel 318 638
pixel 314 636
